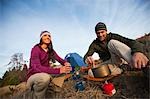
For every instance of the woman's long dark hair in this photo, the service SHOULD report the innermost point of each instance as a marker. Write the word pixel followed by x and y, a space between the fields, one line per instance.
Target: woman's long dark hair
pixel 50 50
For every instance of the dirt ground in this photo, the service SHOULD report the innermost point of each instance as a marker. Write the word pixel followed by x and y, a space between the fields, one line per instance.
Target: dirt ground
pixel 128 85
pixel 131 84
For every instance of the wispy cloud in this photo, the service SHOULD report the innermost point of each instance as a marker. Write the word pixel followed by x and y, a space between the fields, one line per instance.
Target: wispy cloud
pixel 71 23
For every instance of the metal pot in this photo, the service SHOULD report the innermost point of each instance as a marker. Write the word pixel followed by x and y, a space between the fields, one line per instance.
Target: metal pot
pixel 101 71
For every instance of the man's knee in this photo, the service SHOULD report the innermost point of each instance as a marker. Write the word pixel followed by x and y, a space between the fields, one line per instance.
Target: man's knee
pixel 115 44
pixel 112 43
pixel 119 49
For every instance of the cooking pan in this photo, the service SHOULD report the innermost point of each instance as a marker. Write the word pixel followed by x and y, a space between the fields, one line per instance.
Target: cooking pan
pixel 101 71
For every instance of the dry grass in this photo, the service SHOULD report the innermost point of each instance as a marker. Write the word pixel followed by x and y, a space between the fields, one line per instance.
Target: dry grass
pixel 130 84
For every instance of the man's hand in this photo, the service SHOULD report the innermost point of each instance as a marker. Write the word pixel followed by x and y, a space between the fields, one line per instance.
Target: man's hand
pixel 89 60
pixel 139 60
pixel 66 69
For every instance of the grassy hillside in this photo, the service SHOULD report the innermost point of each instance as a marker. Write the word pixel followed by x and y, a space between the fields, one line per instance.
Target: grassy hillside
pixel 14 76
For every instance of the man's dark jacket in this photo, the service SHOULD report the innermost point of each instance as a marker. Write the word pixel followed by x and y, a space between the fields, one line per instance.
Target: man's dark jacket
pixel 102 49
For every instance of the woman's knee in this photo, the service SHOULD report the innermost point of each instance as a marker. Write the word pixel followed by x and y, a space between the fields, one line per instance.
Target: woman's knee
pixel 39 79
pixel 44 78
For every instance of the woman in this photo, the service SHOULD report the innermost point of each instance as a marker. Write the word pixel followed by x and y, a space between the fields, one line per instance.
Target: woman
pixel 40 69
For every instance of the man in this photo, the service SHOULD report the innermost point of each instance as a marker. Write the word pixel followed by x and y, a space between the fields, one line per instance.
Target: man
pixel 113 48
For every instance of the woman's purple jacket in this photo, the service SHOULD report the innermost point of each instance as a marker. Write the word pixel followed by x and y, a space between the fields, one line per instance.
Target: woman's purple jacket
pixel 39 62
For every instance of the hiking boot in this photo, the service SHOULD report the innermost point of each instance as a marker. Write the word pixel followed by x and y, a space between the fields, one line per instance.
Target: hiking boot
pixel 115 70
pixel 125 67
pixel 54 88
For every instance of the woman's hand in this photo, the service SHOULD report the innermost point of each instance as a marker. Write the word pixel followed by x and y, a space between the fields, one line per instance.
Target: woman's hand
pixel 139 60
pixel 66 68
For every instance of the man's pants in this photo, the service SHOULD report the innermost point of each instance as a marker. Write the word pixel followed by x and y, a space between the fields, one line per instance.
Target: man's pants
pixel 121 54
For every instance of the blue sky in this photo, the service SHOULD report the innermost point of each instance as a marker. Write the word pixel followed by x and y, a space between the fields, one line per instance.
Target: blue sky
pixel 71 23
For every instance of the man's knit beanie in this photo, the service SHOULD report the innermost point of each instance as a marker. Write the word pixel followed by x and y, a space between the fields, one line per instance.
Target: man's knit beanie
pixel 100 26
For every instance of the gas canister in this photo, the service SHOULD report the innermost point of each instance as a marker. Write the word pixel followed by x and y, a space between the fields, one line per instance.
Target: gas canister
pixel 108 88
